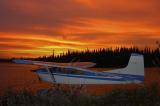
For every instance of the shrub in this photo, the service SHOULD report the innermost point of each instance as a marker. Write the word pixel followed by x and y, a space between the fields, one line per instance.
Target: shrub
pixel 144 96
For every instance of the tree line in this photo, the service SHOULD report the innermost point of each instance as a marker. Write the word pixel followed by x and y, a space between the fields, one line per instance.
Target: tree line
pixel 106 57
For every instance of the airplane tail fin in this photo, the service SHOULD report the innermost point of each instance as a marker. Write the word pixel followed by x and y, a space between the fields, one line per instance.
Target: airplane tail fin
pixel 135 66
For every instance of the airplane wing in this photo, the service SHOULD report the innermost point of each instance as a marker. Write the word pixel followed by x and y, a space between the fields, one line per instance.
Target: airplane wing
pixel 39 63
pixel 77 64
pixel 55 64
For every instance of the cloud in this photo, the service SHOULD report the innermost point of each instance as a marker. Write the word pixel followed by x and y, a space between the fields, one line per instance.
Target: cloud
pixel 22 15
pixel 39 25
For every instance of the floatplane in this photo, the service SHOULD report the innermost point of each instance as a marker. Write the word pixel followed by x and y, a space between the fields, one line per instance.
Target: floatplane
pixel 82 75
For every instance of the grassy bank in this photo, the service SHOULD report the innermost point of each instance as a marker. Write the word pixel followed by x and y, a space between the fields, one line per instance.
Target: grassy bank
pixel 144 96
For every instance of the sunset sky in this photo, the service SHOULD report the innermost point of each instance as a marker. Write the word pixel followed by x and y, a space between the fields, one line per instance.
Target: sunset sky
pixel 31 28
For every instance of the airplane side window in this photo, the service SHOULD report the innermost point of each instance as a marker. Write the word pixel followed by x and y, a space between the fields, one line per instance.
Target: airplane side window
pixel 53 69
pixel 66 70
pixel 79 72
pixel 60 70
pixel 74 71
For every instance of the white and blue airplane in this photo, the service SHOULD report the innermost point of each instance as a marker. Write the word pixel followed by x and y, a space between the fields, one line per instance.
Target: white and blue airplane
pixel 62 74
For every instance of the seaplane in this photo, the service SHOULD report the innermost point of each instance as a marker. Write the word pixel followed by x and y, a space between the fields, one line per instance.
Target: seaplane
pixel 83 74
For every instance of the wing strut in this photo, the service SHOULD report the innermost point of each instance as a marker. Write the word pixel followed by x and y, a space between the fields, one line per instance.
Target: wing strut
pixel 52 76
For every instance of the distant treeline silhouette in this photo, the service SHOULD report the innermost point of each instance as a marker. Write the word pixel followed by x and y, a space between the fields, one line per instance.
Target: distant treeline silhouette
pixel 106 57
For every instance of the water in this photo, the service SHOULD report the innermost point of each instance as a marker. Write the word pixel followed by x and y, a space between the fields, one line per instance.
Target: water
pixel 17 76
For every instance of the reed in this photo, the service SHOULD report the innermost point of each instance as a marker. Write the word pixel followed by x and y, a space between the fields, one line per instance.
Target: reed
pixel 144 96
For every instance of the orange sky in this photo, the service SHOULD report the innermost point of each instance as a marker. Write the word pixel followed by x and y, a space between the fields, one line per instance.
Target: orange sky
pixel 36 27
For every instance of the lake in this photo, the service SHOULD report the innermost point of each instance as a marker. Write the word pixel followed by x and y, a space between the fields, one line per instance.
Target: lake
pixel 17 76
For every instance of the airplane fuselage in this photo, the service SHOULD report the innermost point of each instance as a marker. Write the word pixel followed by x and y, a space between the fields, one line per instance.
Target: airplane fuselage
pixel 78 76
